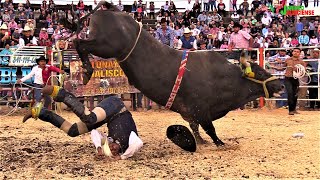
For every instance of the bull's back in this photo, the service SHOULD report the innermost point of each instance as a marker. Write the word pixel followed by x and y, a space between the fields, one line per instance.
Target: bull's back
pixel 209 84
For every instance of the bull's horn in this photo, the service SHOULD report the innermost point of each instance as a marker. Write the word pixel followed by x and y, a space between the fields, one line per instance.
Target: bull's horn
pixel 27 116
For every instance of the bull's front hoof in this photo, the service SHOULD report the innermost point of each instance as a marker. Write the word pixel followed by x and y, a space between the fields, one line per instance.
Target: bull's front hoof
pixel 87 73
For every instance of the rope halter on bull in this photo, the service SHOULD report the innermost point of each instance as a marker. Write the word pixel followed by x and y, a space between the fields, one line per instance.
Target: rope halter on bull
pixel 135 43
pixel 250 75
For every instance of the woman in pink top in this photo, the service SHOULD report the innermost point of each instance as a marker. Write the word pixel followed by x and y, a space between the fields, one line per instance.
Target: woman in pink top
pixel 12 25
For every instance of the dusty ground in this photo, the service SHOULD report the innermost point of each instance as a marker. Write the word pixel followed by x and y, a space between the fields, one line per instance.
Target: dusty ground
pixel 259 145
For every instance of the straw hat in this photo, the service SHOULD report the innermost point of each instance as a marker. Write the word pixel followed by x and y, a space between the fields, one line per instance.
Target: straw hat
pixel 4 27
pixel 186 31
pixel 27 28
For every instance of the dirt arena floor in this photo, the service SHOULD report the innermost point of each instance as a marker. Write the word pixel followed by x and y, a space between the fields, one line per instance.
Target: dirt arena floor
pixel 259 144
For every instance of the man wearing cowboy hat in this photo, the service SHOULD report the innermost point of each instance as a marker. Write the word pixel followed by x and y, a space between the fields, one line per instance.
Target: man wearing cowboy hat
pixel 41 73
pixel 241 40
pixel 27 39
pixel 187 41
pixel 122 140
pixel 4 36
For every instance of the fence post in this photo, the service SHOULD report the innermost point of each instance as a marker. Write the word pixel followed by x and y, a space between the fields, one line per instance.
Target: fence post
pixel 261 63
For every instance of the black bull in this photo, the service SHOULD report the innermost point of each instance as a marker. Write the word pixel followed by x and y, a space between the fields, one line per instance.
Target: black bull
pixel 211 86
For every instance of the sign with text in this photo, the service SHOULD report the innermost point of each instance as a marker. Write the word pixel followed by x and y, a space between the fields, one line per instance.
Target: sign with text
pixel 107 78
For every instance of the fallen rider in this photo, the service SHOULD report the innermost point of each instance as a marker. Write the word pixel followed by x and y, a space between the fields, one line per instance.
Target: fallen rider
pixel 122 140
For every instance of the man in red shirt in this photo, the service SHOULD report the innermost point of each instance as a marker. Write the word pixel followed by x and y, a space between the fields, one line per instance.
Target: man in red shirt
pixel 41 73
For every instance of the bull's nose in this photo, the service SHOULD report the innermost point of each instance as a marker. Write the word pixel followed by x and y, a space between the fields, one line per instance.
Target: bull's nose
pixel 283 87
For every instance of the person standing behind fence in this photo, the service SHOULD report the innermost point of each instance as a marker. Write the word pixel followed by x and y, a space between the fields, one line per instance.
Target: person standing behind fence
pixel 313 92
pixel 291 83
pixel 240 40
pixel 41 73
pixel 165 34
pixel 277 61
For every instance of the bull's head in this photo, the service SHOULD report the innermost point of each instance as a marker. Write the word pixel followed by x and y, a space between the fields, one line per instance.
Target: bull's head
pixel 271 85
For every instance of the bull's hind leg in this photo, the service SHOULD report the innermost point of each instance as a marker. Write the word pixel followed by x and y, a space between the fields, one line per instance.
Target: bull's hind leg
pixel 84 47
pixel 210 130
pixel 195 130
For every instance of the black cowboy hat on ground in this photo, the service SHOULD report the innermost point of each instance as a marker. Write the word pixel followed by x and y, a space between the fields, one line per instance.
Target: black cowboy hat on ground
pixel 42 58
pixel 182 137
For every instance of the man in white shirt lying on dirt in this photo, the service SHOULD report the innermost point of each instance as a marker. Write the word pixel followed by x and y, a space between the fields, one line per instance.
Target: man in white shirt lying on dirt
pixel 122 140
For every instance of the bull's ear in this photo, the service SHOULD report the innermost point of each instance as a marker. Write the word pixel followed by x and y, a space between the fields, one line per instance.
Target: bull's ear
pixel 182 137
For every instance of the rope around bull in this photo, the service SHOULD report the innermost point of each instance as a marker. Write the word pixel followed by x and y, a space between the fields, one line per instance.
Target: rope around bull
pixel 15 108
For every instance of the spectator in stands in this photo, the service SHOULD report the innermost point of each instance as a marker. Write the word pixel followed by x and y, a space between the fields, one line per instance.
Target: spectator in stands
pixel 30 24
pixel 304 39
pixel 120 6
pixel 234 5
pixel 159 17
pixel 294 41
pixel 134 7
pixel 5 4
pixel 172 8
pixel 165 34
pixel 43 19
pixel 51 6
pixel 15 35
pixel 12 25
pixel 224 45
pixel 189 6
pixel 4 60
pixel 151 10
pixel 194 31
pixel 266 20
pixel 299 27
pixel 43 37
pixel 206 5
pixel 6 16
pixel 186 19
pixel 80 7
pixel 187 41
pixel 202 17
pixel 213 4
pixel 315 3
pixel 216 17
pixel 4 35
pixel 313 92
pixel 27 39
pixel 202 44
pixel 244 8
pixel 314 41
pixel 222 9
pixel 255 5
pixel 235 17
pixel 12 15
pixel 196 9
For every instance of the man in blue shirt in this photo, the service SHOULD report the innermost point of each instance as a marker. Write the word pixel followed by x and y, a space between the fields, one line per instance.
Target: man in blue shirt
pixel 165 34
pixel 304 39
